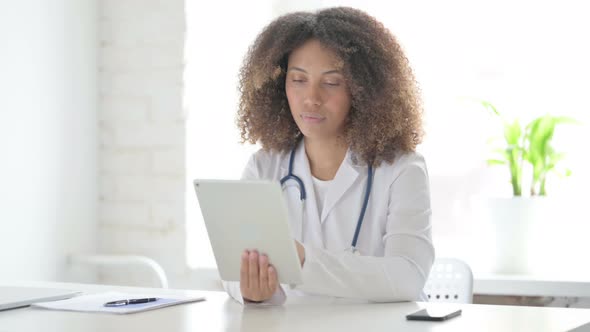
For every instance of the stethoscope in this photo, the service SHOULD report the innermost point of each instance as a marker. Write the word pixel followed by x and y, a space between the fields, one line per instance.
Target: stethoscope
pixel 303 196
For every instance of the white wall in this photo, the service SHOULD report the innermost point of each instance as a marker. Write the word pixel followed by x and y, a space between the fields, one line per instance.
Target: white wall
pixel 47 135
pixel 142 136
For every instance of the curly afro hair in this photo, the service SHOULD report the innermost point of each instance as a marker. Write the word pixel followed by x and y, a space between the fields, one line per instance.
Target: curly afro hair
pixel 386 111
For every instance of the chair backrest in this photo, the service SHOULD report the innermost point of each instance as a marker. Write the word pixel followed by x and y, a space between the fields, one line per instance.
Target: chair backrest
pixel 129 265
pixel 450 280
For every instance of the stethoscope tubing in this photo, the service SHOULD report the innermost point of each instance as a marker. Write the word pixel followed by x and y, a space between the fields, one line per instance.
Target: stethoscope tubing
pixel 303 195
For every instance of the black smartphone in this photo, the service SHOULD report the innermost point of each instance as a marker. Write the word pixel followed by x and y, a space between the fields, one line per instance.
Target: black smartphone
pixel 434 314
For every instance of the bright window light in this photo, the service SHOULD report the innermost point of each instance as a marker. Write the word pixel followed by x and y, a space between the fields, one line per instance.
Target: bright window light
pixel 528 58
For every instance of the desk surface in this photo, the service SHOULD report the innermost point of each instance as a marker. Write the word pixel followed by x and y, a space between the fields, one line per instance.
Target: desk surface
pixel 220 313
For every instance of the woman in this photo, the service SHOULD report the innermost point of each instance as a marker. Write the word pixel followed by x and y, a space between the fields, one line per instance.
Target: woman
pixel 333 93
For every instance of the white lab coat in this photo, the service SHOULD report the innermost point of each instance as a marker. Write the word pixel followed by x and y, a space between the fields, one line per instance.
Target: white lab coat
pixel 395 244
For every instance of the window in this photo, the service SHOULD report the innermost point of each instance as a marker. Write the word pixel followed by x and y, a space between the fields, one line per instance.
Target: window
pixel 217 40
pixel 528 58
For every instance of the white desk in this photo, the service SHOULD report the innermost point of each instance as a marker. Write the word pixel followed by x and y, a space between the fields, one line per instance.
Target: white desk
pixel 220 313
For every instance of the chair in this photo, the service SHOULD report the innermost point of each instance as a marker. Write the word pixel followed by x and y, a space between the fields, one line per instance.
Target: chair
pixel 450 280
pixel 125 261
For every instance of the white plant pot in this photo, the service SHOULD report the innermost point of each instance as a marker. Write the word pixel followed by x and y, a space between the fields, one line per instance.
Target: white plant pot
pixel 517 225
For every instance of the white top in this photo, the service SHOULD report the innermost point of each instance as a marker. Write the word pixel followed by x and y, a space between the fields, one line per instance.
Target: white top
pixel 218 313
pixel 320 188
pixel 395 245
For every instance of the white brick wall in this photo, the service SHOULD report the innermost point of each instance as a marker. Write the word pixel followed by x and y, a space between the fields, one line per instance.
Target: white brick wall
pixel 142 133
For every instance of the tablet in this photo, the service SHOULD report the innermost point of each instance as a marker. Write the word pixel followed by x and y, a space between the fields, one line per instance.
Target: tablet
pixel 243 214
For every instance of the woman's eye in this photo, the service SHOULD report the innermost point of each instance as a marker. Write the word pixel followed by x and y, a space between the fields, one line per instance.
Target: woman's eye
pixel 332 83
pixel 298 81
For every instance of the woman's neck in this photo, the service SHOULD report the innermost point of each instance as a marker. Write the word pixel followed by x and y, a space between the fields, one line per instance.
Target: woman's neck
pixel 325 156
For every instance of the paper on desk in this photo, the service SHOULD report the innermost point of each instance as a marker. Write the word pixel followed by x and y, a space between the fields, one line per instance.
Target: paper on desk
pixel 95 303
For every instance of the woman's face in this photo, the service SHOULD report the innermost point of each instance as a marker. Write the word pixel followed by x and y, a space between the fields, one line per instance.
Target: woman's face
pixel 318 95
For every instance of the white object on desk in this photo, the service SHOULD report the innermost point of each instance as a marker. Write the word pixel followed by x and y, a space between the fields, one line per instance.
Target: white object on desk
pixel 16 297
pixel 96 303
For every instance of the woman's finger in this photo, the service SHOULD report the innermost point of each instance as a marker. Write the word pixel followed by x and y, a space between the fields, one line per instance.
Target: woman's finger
pixel 263 274
pixel 253 272
pixel 244 280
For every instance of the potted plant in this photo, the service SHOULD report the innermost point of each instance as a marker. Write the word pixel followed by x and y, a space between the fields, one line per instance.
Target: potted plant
pixel 529 145
pixel 521 222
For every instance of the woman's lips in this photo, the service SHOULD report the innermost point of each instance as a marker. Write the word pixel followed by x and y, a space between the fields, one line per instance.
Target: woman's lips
pixel 312 118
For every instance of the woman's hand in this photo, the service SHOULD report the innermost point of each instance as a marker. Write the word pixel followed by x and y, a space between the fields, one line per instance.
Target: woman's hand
pixel 258 279
pixel 300 252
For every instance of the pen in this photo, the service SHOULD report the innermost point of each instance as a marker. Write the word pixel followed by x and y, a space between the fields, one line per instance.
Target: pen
pixel 130 301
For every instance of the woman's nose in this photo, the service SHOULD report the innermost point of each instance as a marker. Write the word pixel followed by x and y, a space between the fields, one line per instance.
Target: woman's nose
pixel 313 97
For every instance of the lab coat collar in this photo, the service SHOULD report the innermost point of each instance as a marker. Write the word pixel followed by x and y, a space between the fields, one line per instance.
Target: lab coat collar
pixel 346 175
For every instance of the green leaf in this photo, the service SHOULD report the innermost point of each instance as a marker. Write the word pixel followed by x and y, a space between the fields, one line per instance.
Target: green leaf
pixel 540 154
pixel 565 120
pixel 512 133
pixel 490 107
pixel 496 162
